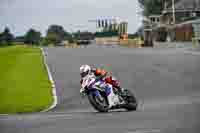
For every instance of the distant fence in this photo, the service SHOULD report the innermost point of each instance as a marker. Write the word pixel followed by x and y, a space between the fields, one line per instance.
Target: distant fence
pixel 134 43
pixel 107 40
pixel 173 45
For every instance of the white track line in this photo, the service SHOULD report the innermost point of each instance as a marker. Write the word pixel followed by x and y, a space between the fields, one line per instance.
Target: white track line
pixel 55 99
pixel 41 116
pixel 146 131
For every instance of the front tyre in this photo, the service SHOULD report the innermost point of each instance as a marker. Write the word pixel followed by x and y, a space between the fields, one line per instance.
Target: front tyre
pixel 101 106
pixel 131 101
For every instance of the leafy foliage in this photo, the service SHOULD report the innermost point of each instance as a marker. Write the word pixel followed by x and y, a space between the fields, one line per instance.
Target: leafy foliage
pixel 53 38
pixel 56 34
pixel 150 7
pixel 32 37
pixel 6 37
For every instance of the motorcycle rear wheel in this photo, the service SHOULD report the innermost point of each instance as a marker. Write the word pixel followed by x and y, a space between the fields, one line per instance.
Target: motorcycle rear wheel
pixel 131 101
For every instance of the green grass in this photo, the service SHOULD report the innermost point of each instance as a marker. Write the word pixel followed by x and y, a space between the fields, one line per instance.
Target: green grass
pixel 24 84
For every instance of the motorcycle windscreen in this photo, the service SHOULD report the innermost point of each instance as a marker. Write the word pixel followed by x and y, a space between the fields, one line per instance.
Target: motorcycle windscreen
pixel 95 93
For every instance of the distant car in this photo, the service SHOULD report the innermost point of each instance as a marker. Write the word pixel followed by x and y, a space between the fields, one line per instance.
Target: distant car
pixel 83 41
pixel 63 43
pixel 60 44
pixel 85 38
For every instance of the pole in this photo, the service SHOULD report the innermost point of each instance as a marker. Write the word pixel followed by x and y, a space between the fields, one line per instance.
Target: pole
pixel 173 7
pixel 71 30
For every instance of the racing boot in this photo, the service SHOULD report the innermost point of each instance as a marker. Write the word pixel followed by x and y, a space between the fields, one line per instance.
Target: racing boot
pixel 120 90
pixel 116 84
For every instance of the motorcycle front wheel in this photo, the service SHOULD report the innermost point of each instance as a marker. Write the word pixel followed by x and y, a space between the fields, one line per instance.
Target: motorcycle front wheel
pixel 97 104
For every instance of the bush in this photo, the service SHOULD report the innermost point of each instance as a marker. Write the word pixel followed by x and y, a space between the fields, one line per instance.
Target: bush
pixel 44 42
pixel 4 43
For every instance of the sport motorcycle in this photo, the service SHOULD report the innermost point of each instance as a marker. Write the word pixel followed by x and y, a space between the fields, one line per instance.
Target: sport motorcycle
pixel 92 88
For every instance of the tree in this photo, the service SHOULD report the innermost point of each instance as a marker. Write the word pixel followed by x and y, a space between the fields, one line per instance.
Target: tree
pixel 44 41
pixel 6 37
pixel 33 37
pixel 150 7
pixel 53 38
pixel 56 34
pixel 154 6
pixel 1 38
pixel 20 39
pixel 68 36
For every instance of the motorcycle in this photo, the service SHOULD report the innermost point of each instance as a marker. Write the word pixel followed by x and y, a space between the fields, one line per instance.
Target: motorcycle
pixel 98 99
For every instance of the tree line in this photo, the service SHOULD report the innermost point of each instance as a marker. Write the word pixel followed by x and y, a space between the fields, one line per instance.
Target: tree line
pixel 154 7
pixel 55 34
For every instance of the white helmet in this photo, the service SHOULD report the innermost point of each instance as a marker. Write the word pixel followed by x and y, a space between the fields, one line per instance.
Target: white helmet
pixel 85 70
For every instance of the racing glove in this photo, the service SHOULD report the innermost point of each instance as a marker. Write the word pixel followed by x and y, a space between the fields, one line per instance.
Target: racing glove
pixel 82 92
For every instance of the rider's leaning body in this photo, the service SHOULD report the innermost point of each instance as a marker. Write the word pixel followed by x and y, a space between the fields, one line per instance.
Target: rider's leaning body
pixel 100 74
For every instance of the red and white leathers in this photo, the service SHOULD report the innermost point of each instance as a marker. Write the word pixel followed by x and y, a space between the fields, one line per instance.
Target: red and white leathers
pixel 101 74
pixel 107 77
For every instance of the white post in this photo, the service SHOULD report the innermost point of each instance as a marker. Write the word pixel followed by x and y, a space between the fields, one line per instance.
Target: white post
pixel 173 7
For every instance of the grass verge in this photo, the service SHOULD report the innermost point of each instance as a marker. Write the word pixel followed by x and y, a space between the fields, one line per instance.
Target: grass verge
pixel 24 83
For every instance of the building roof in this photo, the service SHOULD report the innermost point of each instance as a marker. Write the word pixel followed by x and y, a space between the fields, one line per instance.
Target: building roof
pixel 185 5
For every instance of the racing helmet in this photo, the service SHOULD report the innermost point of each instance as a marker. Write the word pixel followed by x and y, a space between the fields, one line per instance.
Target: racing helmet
pixel 85 70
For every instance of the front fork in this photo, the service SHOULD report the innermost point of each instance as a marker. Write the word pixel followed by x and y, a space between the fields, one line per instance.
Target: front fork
pixel 98 95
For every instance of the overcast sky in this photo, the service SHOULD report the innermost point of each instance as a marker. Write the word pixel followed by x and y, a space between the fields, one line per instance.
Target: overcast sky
pixel 21 15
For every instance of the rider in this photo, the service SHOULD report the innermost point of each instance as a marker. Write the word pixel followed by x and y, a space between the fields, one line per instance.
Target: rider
pixel 100 75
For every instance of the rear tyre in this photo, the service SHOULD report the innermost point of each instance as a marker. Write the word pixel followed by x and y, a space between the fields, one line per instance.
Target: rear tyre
pixel 101 106
pixel 131 101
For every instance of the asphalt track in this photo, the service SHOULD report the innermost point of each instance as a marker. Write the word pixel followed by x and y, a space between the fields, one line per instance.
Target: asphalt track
pixel 165 81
